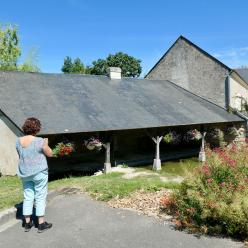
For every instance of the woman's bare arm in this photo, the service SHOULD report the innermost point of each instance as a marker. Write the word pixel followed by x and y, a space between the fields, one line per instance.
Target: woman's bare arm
pixel 46 149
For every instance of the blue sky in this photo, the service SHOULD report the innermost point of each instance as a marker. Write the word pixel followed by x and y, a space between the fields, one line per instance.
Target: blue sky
pixel 142 28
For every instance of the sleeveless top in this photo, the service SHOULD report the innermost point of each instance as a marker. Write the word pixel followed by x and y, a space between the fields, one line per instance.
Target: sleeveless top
pixel 32 160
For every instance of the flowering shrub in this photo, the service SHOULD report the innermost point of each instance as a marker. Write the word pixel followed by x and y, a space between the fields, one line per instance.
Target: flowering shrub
pixel 63 149
pixel 214 198
pixel 216 134
pixel 192 135
pixel 172 138
pixel 93 144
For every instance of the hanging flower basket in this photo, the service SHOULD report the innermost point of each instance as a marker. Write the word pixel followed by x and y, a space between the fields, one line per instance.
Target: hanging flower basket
pixel 63 149
pixel 172 138
pixel 192 135
pixel 90 146
pixel 230 134
pixel 215 137
pixel 93 144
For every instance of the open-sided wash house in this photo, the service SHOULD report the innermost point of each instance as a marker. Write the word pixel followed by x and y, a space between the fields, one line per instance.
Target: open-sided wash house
pixel 125 113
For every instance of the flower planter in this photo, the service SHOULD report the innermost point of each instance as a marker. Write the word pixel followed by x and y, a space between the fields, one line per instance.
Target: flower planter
pixel 93 144
pixel 90 147
pixel 63 149
pixel 215 137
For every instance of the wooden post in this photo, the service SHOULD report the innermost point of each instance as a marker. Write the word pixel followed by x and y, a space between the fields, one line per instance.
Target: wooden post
pixel 202 154
pixel 107 164
pixel 157 161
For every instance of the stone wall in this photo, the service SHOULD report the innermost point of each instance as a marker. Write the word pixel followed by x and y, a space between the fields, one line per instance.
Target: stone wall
pixel 237 90
pixel 8 153
pixel 193 70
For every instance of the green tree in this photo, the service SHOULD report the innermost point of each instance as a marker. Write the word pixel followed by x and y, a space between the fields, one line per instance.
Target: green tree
pixel 30 62
pixel 73 67
pixel 88 69
pixel 78 66
pixel 9 47
pixel 99 67
pixel 29 67
pixel 129 65
pixel 68 65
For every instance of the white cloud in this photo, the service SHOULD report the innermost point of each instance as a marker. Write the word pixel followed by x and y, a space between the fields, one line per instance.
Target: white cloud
pixel 234 57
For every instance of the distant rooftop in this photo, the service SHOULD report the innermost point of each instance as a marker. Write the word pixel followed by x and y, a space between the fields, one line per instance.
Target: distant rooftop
pixel 243 72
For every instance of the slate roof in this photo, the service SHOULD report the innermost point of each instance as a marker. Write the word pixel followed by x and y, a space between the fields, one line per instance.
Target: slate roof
pixel 243 72
pixel 84 103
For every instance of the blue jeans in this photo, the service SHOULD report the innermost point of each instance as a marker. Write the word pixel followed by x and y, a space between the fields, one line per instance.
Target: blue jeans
pixel 35 188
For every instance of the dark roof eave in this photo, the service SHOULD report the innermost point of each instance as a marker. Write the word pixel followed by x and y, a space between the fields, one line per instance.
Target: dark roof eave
pixel 140 128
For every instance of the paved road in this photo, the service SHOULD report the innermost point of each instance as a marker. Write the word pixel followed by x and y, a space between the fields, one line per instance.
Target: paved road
pixel 81 222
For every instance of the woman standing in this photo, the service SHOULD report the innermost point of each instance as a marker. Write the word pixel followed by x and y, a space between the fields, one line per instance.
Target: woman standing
pixel 33 170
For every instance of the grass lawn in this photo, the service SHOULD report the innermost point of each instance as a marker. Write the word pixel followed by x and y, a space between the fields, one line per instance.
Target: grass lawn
pixel 10 191
pixel 174 168
pixel 103 187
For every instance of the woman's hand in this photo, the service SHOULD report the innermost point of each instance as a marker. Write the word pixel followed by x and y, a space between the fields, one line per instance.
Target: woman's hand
pixel 46 149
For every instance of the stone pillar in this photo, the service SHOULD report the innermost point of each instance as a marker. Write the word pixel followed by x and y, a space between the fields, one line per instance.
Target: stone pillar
pixel 107 164
pixel 157 161
pixel 202 154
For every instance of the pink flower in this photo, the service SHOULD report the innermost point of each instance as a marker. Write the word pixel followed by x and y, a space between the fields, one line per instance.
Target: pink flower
pixel 217 150
pixel 222 184
pixel 210 180
pixel 206 169
pixel 234 148
pixel 232 163
pixel 225 158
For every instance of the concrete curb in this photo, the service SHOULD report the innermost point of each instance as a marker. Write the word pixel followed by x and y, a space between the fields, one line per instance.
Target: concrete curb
pixel 15 212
